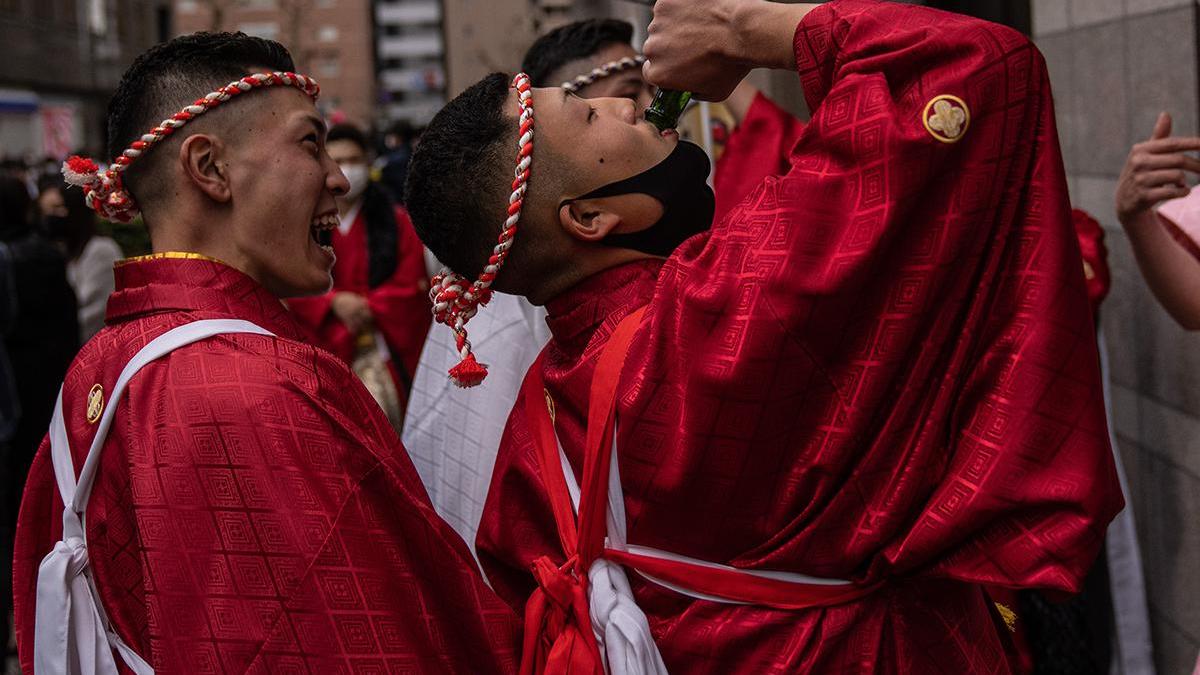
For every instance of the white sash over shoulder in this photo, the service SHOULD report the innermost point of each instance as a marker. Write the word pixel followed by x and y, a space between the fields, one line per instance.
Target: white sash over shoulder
pixel 72 635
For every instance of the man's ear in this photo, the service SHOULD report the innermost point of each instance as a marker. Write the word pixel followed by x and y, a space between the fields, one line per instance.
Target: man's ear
pixel 588 219
pixel 202 161
pixel 595 219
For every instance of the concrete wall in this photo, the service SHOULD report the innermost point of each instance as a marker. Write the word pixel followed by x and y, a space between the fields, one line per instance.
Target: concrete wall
pixel 1115 64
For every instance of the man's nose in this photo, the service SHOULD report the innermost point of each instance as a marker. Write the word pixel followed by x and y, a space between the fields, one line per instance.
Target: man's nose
pixel 336 181
pixel 626 110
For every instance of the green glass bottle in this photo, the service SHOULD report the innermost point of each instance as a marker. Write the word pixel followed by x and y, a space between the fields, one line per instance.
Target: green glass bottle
pixel 667 106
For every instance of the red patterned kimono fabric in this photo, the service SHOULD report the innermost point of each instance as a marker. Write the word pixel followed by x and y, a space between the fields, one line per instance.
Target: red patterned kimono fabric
pixel 558 630
pixel 254 512
pixel 880 367
pixel 400 305
pixel 1096 273
pixel 760 146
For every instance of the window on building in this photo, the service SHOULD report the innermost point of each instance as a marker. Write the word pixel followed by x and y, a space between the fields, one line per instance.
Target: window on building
pixel 329 66
pixel 327 34
pixel 262 29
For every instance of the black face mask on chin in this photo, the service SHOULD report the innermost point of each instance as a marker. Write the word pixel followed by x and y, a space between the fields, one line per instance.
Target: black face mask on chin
pixel 680 184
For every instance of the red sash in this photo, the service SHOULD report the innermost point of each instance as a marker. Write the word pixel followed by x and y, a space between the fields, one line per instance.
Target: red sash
pixel 558 629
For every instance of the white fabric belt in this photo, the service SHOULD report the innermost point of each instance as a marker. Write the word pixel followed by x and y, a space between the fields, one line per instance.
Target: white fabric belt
pixel 72 635
pixel 619 624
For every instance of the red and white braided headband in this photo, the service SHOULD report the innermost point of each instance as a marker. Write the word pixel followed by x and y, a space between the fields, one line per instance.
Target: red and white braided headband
pixel 105 191
pixel 603 71
pixel 455 299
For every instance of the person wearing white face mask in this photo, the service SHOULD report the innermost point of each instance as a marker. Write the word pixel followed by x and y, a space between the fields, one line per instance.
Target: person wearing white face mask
pixel 377 313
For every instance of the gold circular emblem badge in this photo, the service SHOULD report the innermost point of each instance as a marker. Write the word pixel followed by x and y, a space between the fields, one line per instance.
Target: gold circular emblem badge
pixel 946 118
pixel 95 404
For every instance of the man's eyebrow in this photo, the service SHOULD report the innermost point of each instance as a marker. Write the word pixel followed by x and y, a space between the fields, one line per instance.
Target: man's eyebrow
pixel 317 123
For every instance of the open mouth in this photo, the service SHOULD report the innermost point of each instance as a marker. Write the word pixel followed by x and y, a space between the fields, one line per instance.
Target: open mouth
pixel 321 231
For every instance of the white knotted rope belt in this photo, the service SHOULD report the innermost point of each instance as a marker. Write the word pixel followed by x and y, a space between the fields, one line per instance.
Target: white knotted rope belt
pixel 72 634
pixel 619 624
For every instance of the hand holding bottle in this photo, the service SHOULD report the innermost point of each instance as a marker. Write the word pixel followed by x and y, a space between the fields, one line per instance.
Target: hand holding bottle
pixel 708 47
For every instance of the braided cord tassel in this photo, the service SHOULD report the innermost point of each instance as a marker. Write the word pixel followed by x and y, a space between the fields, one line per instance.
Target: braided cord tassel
pixel 603 71
pixel 455 299
pixel 104 191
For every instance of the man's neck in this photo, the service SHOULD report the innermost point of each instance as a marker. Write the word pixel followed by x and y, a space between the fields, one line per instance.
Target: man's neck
pixel 209 238
pixel 569 275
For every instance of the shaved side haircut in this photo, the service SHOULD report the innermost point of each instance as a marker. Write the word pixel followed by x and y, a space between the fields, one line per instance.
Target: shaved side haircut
pixel 170 76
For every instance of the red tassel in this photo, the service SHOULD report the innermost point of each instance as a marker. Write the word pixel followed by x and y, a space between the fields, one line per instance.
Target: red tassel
pixel 468 372
pixel 81 164
pixel 79 171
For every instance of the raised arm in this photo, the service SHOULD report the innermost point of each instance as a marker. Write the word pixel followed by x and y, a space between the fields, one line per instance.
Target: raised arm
pixel 707 48
pixel 889 297
pixel 1154 173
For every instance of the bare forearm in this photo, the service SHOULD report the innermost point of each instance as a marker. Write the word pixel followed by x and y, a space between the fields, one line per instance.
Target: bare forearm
pixel 1171 272
pixel 708 47
pixel 766 31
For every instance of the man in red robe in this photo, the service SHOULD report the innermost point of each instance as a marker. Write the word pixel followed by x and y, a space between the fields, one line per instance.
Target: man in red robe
pixel 252 510
pixel 878 368
pixel 380 291
pixel 593 58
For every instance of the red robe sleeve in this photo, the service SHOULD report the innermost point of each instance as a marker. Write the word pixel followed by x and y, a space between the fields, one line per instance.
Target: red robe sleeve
pixel 266 520
pixel 903 308
pixel 758 147
pixel 881 363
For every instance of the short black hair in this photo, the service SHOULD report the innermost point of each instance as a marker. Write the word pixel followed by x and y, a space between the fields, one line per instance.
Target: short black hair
pixel 15 208
pixel 171 75
pixel 458 187
pixel 572 42
pixel 348 132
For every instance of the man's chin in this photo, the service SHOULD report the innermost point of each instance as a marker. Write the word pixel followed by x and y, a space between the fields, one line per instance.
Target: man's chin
pixel 319 289
pixel 319 283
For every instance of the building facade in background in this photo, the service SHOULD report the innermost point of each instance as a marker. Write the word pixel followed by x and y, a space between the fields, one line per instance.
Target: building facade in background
pixel 61 61
pixel 330 40
pixel 485 36
pixel 411 59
